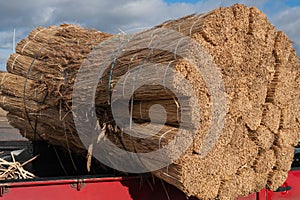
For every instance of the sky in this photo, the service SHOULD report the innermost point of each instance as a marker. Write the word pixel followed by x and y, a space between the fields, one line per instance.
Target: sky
pixel 128 16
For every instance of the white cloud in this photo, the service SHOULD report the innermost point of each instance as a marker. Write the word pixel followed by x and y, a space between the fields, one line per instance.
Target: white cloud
pixel 4 54
pixel 45 15
pixel 6 37
pixel 288 20
pixel 112 15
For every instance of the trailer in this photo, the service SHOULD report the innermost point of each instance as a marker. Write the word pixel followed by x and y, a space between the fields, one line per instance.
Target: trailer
pixel 54 184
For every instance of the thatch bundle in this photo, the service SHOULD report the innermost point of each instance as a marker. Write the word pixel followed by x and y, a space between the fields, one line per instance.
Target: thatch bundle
pixel 259 69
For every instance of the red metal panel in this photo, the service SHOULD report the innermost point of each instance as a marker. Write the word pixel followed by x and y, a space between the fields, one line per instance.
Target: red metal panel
pixel 115 188
pixel 250 197
pixel 262 195
pixel 131 188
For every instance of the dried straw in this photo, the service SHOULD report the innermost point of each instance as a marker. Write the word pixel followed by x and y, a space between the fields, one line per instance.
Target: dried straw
pixel 259 69
pixel 14 169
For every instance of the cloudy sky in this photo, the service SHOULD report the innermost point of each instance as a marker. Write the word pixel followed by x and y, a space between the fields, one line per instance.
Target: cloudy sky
pixel 126 15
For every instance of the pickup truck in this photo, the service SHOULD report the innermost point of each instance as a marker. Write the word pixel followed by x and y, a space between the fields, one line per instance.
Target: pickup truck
pixel 54 184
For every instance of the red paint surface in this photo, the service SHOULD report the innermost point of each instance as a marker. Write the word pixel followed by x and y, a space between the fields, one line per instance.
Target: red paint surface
pixel 250 197
pixel 120 188
pixel 117 188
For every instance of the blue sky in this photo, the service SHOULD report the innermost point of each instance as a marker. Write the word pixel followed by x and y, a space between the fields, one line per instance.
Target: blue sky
pixel 292 3
pixel 182 1
pixel 120 15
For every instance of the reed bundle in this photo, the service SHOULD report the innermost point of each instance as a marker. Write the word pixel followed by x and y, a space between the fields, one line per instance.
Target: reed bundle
pixel 259 69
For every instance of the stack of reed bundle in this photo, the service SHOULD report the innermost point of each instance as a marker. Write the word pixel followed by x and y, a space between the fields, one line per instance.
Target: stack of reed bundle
pixel 259 69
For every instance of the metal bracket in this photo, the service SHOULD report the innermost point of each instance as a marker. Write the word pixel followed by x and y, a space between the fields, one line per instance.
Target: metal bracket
pixel 4 190
pixel 78 185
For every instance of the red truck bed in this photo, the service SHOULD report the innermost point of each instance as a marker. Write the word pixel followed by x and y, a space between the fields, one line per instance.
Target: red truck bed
pixel 107 188
pixel 121 188
pixel 91 188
